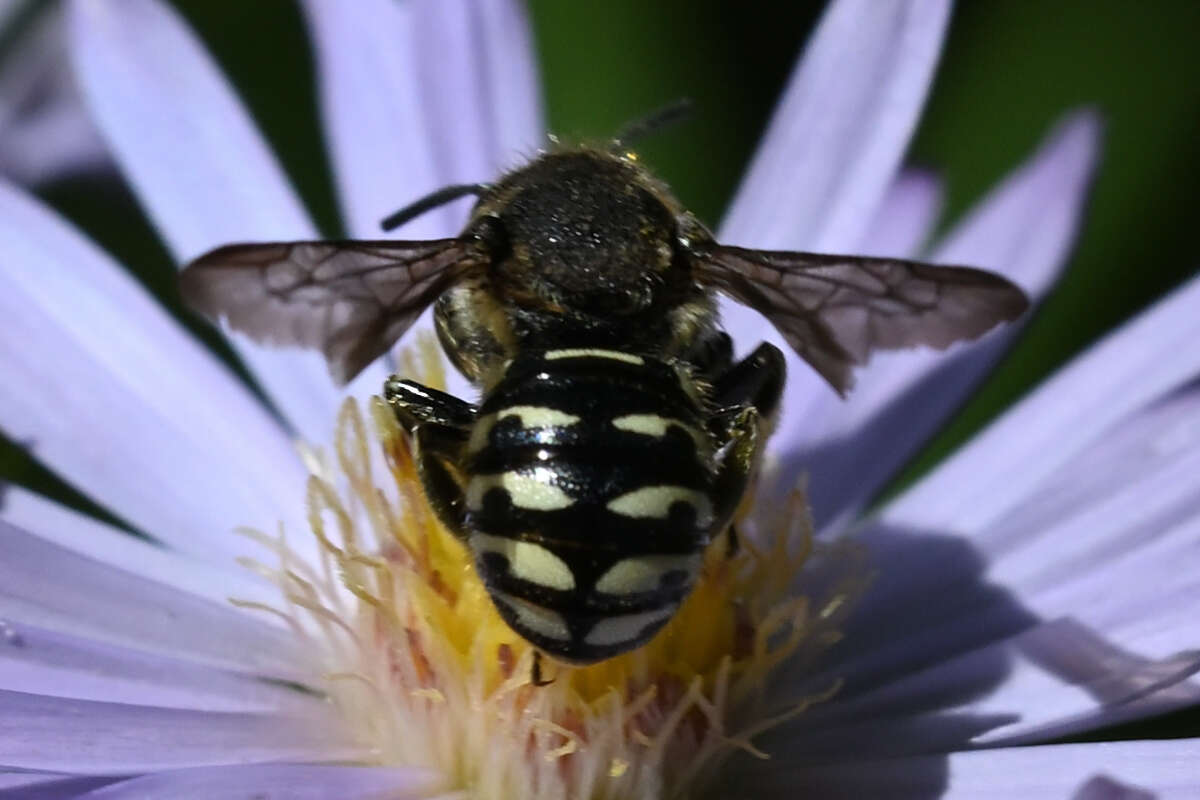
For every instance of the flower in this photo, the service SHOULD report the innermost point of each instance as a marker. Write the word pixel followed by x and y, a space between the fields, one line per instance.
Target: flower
pixel 1040 583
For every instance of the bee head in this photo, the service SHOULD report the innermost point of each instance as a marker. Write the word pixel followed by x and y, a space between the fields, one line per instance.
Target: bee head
pixel 586 231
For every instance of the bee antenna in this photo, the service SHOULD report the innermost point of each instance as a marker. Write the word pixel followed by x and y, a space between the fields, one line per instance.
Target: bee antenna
pixel 655 121
pixel 431 201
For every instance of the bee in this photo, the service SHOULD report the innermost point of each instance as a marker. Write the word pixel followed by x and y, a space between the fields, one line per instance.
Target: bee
pixel 615 434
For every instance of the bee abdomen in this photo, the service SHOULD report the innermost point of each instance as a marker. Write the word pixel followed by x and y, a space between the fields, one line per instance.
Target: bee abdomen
pixel 589 498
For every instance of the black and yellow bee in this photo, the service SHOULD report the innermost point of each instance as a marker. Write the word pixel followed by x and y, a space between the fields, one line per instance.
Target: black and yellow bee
pixel 615 434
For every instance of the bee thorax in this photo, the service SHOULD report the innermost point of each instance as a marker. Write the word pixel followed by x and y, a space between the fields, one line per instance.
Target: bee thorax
pixel 588 235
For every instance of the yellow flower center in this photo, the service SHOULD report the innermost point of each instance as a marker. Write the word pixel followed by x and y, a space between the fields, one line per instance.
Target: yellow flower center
pixel 426 673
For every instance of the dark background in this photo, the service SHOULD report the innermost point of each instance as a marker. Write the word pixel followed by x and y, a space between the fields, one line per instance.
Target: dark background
pixel 1010 68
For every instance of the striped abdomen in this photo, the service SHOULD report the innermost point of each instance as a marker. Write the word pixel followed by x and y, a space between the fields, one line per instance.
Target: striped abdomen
pixel 589 498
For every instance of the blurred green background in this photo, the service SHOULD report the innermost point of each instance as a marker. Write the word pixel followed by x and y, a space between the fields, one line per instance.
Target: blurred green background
pixel 1009 70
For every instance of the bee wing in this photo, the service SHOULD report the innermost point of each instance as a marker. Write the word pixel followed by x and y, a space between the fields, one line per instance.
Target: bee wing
pixel 836 310
pixel 351 299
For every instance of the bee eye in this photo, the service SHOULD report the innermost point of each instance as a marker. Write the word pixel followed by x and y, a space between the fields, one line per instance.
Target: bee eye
pixel 490 232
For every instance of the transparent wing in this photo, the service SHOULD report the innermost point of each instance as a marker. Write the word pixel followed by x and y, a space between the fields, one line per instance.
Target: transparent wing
pixel 836 310
pixel 352 300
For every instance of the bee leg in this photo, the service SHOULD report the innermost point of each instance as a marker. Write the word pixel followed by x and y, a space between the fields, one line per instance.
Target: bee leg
pixel 748 395
pixel 733 542
pixel 711 354
pixel 439 424
pixel 737 431
pixel 414 404
pixel 436 451
pixel 535 672
pixel 756 380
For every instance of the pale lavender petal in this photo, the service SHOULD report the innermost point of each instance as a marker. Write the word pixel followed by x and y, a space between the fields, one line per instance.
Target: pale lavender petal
pixel 1129 497
pixel 844 122
pixel 830 153
pixel 1022 229
pixel 291 781
pixel 47 785
pixel 417 96
pixel 1109 685
pixel 86 737
pixel 403 120
pixel 375 124
pixel 101 542
pixel 483 104
pixel 39 661
pixel 1154 613
pixel 108 390
pixel 1054 679
pixel 182 137
pixel 45 131
pixel 46 586
pixel 905 218
pixel 1144 359
pixel 1165 770
pixel 58 141
pixel 1026 226
pixel 1106 550
pixel 1106 656
pixel 8 10
pixel 10 779
pixel 1131 454
pixel 509 65
pixel 1125 512
pixel 202 171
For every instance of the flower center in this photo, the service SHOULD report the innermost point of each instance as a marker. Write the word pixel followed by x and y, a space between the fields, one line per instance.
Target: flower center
pixel 424 670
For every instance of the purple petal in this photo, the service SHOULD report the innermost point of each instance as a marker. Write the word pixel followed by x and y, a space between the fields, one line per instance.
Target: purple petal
pixel 830 154
pixel 85 737
pixel 98 541
pixel 483 105
pixel 418 96
pixel 1122 508
pixel 403 120
pixel 1094 771
pixel 39 661
pixel 842 126
pixel 202 171
pixel 7 12
pixel 905 218
pixel 1141 361
pixel 509 65
pixel 1053 679
pixel 109 392
pixel 49 587
pixel 1123 513
pixel 46 785
pixel 374 120
pixel 183 139
pixel 291 781
pixel 58 141
pixel 980 651
pixel 1022 229
pixel 1027 639
pixel 1131 456
pixel 45 131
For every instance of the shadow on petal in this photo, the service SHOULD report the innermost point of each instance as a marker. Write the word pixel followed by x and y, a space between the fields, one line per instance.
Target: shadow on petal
pixel 846 472
pixel 55 787
pixel 937 659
